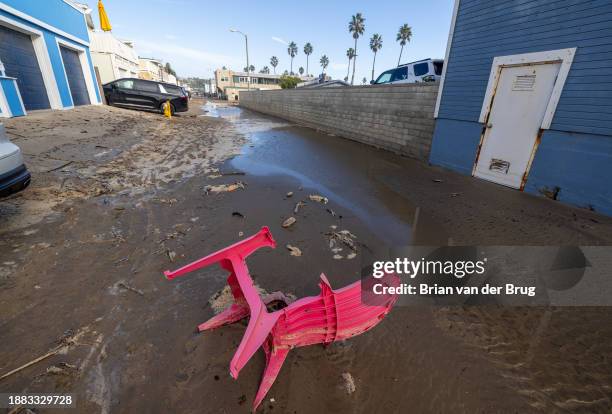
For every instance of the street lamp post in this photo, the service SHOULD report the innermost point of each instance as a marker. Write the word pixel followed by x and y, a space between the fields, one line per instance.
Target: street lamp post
pixel 246 43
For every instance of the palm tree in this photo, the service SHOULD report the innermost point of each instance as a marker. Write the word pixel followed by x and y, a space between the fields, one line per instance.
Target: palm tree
pixel 274 63
pixel 252 68
pixel 356 27
pixel 364 80
pixel 375 45
pixel 404 34
pixel 292 49
pixel 301 70
pixel 324 62
pixel 265 70
pixel 307 52
pixel 350 54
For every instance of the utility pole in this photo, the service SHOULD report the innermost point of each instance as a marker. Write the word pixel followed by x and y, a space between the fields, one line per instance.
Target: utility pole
pixel 246 43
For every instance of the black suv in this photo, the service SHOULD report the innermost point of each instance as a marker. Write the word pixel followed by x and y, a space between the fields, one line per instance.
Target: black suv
pixel 145 94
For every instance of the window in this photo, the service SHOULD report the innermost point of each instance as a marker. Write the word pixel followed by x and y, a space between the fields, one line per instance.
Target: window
pixel 171 90
pixel 421 69
pixel 146 86
pixel 384 77
pixel 438 66
pixel 400 74
pixel 125 84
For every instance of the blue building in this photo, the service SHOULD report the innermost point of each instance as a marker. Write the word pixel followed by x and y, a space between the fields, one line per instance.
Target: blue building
pixel 44 57
pixel 526 98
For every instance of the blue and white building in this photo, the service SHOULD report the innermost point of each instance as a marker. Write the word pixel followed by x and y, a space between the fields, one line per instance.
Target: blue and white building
pixel 44 57
pixel 526 98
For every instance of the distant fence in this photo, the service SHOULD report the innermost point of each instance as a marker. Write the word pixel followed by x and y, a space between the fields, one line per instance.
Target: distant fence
pixel 397 118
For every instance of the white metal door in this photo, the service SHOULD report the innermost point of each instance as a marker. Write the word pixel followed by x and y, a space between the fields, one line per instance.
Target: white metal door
pixel 520 102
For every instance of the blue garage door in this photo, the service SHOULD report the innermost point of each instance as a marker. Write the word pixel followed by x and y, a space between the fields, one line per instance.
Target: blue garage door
pixel 17 54
pixel 76 80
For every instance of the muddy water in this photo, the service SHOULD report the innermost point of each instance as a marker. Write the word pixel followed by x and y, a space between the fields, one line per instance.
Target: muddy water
pixel 351 174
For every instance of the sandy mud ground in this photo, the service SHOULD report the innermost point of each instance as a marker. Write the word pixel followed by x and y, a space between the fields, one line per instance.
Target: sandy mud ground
pixel 119 196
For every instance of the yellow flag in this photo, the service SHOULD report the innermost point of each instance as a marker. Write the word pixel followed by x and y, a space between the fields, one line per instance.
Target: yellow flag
pixel 104 22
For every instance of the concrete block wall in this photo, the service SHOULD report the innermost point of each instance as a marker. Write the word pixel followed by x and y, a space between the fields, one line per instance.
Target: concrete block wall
pixel 397 118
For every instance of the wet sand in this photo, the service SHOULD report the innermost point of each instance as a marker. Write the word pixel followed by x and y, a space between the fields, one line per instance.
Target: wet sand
pixel 94 262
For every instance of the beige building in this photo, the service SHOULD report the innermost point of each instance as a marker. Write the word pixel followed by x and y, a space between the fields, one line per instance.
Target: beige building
pixel 230 83
pixel 150 69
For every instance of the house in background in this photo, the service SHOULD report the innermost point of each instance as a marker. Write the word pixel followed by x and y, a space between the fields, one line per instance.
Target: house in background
pixel 114 58
pixel 153 69
pixel 526 98
pixel 44 53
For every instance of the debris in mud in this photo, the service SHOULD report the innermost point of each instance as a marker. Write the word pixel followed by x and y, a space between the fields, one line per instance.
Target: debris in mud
pixel 289 194
pixel 297 207
pixel 224 298
pixel 318 198
pixel 63 368
pixel 342 237
pixel 237 214
pixel 241 399
pixel 224 188
pixel 294 251
pixel 289 222
pixel 170 201
pixel 171 254
pixel 124 285
pixel 437 180
pixel 217 174
pixel 64 343
pixel 455 194
pixel 330 211
pixel 349 383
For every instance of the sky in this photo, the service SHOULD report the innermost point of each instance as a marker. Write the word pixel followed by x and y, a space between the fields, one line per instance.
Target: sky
pixel 194 35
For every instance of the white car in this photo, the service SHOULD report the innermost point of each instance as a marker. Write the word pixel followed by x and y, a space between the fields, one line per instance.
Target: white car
pixel 14 175
pixel 427 70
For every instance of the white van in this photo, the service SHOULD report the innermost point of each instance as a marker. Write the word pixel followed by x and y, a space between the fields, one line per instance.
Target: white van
pixel 14 175
pixel 426 70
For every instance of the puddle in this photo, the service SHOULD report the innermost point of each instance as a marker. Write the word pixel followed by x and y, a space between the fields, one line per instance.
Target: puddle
pixel 352 175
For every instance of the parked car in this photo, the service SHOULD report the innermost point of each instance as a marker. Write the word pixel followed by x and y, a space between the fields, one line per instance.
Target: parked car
pixel 14 176
pixel 426 70
pixel 145 94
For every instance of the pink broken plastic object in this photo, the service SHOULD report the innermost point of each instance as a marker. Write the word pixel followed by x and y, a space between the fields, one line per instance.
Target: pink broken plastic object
pixel 333 315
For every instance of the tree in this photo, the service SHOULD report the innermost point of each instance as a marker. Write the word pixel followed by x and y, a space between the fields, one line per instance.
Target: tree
pixel 301 71
pixel 375 44
pixel 292 50
pixel 274 63
pixel 265 70
pixel 288 81
pixel 245 69
pixel 324 62
pixel 364 80
pixel 350 54
pixel 307 51
pixel 168 69
pixel 404 34
pixel 356 27
pixel 252 68
pixel 224 68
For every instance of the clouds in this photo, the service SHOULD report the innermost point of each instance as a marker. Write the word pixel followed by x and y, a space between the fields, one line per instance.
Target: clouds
pixel 280 40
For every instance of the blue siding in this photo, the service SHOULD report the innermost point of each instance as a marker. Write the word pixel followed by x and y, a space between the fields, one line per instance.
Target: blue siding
pixel 579 165
pixel 575 155
pixel 488 28
pixel 55 13
pixel 455 144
